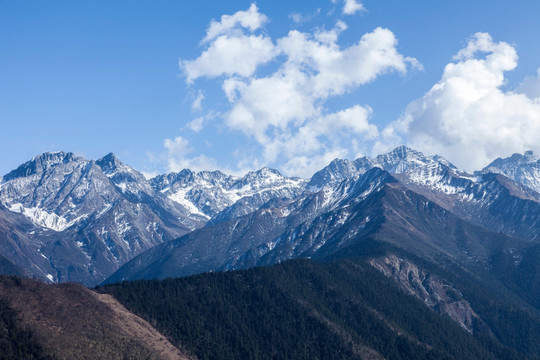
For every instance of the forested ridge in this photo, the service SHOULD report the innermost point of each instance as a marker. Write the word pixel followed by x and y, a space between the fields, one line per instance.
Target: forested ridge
pixel 302 309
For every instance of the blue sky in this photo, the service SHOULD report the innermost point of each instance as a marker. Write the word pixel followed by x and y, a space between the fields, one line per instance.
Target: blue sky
pixel 290 85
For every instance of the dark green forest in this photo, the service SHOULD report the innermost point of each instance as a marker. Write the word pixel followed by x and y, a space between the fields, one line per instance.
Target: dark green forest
pixel 302 309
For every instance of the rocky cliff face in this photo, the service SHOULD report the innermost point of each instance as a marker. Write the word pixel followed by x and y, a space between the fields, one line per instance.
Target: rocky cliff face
pixel 434 292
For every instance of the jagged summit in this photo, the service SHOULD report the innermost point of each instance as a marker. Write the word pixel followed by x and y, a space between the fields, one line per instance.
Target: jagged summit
pixel 41 163
pixel 400 160
pixel 207 193
pixel 260 178
pixel 109 163
pixel 404 158
pixel 522 168
pixel 527 157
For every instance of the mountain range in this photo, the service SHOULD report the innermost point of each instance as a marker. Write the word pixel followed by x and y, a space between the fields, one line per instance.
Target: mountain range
pixel 66 218
pixel 421 204
pixel 448 238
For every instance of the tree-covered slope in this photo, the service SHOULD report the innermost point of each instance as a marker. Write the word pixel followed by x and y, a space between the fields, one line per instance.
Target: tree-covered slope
pixel 300 309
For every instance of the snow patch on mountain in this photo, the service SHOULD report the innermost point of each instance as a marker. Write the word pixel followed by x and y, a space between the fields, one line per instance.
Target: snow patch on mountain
pixel 44 219
pixel 180 196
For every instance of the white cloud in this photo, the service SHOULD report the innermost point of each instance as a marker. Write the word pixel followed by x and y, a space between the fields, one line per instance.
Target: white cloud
pixel 467 116
pixel 232 47
pixel 321 140
pixel 329 37
pixel 284 110
pixel 352 7
pixel 251 20
pixel 230 55
pixel 178 146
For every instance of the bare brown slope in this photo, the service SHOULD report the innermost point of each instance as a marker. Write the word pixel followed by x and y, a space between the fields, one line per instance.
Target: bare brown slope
pixel 72 322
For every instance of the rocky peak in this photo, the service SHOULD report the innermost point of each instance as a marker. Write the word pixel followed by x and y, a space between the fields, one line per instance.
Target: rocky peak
pixel 522 168
pixel 122 174
pixel 41 163
pixel 260 178
pixel 109 163
pixel 402 159
pixel 339 170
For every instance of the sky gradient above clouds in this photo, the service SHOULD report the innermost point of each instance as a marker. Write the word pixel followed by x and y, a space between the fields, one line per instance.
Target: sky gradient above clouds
pixel 239 85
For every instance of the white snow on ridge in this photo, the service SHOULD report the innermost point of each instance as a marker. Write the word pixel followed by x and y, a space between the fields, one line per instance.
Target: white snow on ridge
pixel 44 219
pixel 41 217
pixel 180 197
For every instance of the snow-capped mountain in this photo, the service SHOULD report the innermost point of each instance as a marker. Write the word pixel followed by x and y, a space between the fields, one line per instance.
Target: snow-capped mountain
pixel 402 160
pixel 494 201
pixel 80 220
pixel 85 218
pixel 372 207
pixel 523 169
pixel 209 193
pixel 89 217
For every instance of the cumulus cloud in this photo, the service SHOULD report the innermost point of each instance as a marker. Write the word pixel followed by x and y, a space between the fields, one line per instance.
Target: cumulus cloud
pixel 238 54
pixel 284 109
pixel 352 7
pixel 251 20
pixel 467 116
pixel 232 47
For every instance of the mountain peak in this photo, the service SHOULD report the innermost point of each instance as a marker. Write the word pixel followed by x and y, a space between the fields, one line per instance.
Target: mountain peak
pixel 263 173
pixel 522 168
pixel 402 152
pixel 54 158
pixel 403 158
pixel 504 165
pixel 266 171
pixel 42 162
pixel 109 163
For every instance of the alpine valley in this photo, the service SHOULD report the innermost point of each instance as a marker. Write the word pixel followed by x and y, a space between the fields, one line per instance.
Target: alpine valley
pixel 398 256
